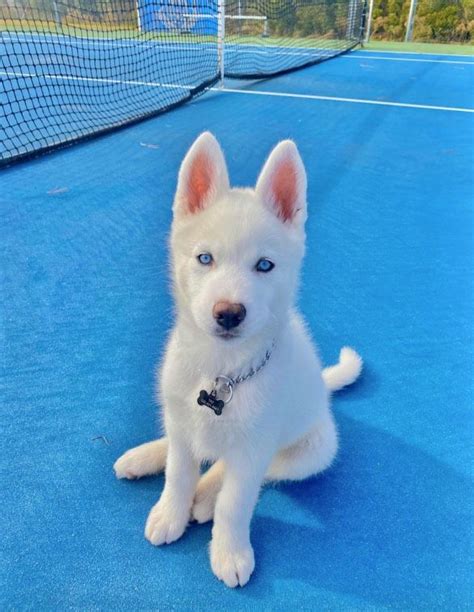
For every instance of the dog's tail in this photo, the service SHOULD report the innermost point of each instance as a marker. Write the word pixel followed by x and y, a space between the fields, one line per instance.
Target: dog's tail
pixel 345 372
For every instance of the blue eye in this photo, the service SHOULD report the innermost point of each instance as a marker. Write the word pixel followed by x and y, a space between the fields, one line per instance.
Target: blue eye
pixel 264 265
pixel 205 259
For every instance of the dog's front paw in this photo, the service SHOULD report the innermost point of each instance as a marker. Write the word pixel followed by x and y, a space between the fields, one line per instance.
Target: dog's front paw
pixel 132 464
pixel 232 565
pixel 164 526
pixel 143 460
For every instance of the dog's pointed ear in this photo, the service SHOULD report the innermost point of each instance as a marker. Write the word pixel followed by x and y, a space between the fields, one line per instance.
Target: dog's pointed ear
pixel 281 185
pixel 202 176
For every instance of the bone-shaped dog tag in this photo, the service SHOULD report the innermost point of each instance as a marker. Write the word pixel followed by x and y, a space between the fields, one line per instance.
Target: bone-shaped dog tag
pixel 211 401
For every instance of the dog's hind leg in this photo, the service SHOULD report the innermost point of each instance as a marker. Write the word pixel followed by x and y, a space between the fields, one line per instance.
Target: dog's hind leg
pixel 144 460
pixel 310 455
pixel 206 493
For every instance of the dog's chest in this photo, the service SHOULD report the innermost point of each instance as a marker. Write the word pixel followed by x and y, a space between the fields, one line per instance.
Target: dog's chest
pixel 210 435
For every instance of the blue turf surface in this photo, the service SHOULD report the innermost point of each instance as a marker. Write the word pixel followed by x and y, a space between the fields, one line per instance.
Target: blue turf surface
pixel 86 310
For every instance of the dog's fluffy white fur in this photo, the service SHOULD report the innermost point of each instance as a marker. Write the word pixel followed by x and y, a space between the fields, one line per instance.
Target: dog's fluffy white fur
pixel 278 425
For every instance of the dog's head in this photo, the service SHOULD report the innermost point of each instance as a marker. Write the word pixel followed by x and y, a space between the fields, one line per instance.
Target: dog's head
pixel 237 252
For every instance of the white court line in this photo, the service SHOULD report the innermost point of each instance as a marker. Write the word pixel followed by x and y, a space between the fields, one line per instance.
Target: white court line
pixel 347 100
pixel 212 48
pixel 207 47
pixel 231 48
pixel 103 42
pixel 65 77
pixel 240 91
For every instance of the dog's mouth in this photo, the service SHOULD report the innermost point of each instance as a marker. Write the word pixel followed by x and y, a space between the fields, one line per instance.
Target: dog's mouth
pixel 227 335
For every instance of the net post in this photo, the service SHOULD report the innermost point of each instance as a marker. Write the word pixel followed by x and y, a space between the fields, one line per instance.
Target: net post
pixel 220 38
pixel 411 21
pixel 139 19
pixel 368 25
pixel 57 15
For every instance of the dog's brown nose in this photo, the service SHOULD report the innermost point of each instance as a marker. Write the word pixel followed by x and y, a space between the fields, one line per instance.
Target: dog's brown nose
pixel 228 315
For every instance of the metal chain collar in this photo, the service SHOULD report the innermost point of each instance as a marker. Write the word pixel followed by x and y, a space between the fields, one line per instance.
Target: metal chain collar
pixel 243 377
pixel 224 386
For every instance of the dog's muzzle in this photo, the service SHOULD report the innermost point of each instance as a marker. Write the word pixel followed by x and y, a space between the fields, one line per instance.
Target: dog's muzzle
pixel 228 315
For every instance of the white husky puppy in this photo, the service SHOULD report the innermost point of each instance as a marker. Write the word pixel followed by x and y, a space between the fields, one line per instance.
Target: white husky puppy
pixel 241 349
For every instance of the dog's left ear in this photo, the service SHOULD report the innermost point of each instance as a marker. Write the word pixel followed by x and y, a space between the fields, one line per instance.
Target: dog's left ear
pixel 281 185
pixel 202 177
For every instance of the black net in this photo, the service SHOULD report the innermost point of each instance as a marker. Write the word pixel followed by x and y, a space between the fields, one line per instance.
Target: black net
pixel 70 69
pixel 270 37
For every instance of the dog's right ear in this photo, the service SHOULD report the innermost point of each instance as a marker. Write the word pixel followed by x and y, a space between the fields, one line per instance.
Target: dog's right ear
pixel 281 185
pixel 202 177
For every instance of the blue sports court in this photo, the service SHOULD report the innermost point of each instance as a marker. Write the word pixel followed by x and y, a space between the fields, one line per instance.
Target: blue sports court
pixel 387 139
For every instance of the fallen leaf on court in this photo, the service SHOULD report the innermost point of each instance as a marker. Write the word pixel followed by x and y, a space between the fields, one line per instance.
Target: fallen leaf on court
pixel 58 190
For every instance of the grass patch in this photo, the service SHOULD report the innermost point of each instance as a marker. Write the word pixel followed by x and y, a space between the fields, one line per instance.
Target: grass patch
pixel 419 47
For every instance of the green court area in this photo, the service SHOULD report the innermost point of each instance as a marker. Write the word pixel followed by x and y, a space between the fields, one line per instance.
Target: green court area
pixel 419 47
